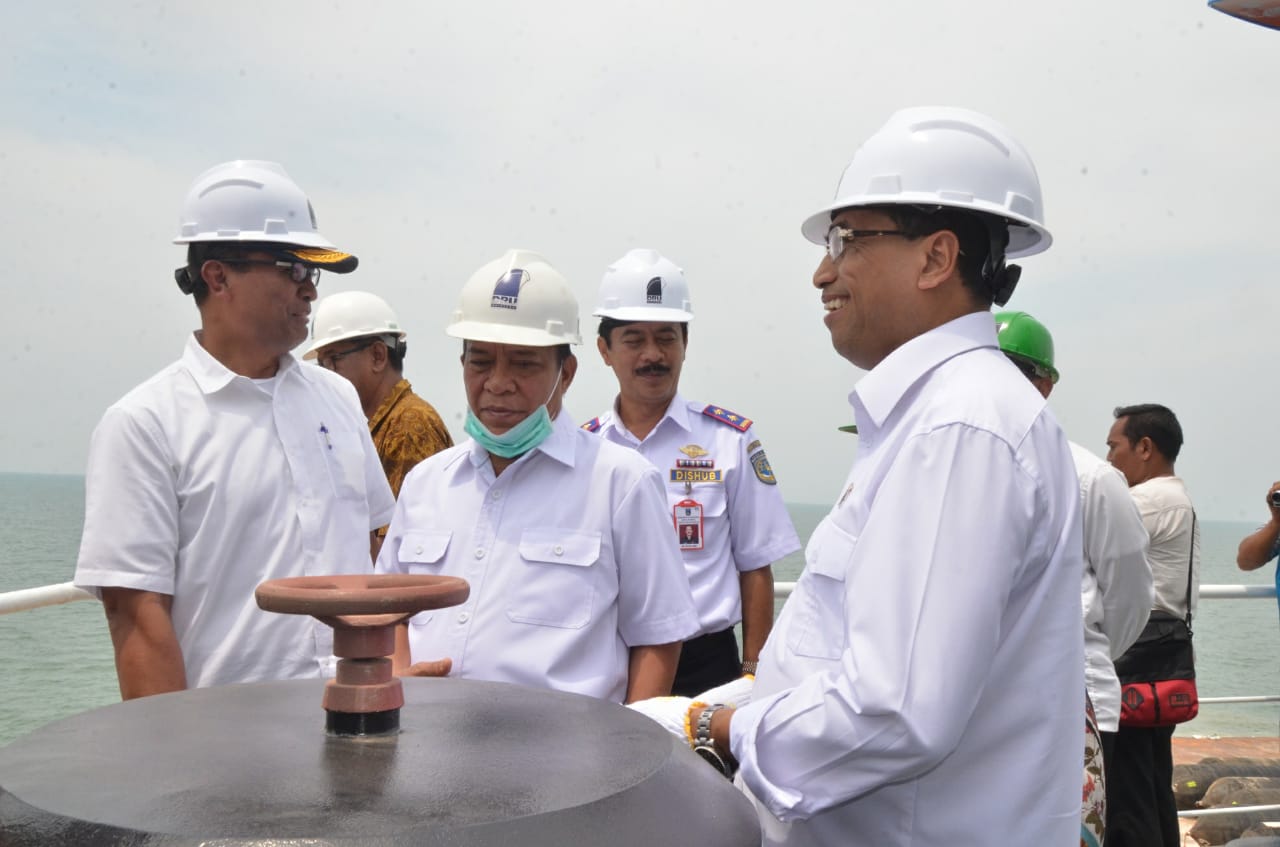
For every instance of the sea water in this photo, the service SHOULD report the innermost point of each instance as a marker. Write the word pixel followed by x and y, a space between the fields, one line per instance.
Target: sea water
pixel 57 660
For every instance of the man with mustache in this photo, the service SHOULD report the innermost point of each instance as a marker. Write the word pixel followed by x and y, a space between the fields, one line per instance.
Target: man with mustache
pixel 726 509
pixel 576 580
pixel 235 464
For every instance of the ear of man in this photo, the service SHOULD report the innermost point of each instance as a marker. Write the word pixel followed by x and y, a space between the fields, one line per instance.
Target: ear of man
pixel 568 371
pixel 214 274
pixel 378 352
pixel 939 259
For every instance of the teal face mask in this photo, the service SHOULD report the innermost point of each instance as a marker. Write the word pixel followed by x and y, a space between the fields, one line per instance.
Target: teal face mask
pixel 521 438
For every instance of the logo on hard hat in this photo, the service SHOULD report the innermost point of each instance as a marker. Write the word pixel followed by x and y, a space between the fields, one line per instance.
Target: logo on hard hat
pixel 653 291
pixel 506 293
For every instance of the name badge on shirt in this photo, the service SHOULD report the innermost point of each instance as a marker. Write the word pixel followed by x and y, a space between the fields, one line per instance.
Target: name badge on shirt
pixel 688 520
pixel 692 475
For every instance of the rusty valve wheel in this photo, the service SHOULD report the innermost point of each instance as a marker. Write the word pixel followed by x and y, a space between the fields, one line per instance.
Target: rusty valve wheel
pixel 363 609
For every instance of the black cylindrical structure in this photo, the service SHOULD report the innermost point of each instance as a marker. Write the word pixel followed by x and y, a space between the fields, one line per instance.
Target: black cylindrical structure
pixel 474 764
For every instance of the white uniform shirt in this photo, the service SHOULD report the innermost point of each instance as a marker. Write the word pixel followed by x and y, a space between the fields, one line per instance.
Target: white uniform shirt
pixel 745 524
pixel 201 484
pixel 1116 588
pixel 924 685
pixel 1166 512
pixel 569 555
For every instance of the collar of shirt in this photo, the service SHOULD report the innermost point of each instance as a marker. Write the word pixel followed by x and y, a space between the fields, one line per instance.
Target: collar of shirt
pixel 559 445
pixel 399 390
pixel 211 375
pixel 677 412
pixel 879 392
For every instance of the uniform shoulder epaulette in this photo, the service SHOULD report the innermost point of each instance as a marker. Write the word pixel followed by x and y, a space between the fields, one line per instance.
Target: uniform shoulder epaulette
pixel 723 415
pixel 592 425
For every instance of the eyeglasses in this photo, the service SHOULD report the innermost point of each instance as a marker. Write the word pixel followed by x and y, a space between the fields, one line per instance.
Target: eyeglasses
pixel 838 237
pixel 330 361
pixel 1030 369
pixel 298 272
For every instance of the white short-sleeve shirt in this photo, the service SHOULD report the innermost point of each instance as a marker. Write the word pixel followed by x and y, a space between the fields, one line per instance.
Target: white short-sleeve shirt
pixel 711 457
pixel 569 555
pixel 201 484
pixel 924 685
pixel 1168 515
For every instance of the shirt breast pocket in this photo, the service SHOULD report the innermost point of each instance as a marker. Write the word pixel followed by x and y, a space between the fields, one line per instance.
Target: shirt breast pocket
pixel 343 455
pixel 714 515
pixel 557 584
pixel 820 627
pixel 422 552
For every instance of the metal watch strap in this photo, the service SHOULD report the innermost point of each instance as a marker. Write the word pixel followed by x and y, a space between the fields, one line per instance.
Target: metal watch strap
pixel 705 746
pixel 702 728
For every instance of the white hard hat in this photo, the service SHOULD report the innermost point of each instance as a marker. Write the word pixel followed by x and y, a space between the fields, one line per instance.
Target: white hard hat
pixel 351 314
pixel 517 299
pixel 249 200
pixel 943 156
pixel 644 286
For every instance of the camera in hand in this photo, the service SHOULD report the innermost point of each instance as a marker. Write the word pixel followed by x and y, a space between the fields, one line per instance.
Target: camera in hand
pixel 1274 497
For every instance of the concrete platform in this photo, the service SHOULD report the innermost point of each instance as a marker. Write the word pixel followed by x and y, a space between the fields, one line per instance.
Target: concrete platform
pixel 1187 750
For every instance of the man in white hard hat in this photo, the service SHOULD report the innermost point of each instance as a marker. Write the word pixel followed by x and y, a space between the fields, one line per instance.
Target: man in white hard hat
pixel 726 509
pixel 356 334
pixel 235 464
pixel 923 686
pixel 576 580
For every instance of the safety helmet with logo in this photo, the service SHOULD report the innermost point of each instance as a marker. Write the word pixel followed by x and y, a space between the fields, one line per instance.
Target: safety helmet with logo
pixel 517 299
pixel 249 200
pixel 1024 338
pixel 353 314
pixel 644 285
pixel 936 157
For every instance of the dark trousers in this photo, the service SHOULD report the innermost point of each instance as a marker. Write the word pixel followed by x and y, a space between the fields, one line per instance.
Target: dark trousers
pixel 1141 811
pixel 707 661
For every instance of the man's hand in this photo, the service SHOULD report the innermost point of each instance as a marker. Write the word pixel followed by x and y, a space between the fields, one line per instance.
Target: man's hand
pixel 439 667
pixel 1257 547
pixel 735 693
pixel 670 713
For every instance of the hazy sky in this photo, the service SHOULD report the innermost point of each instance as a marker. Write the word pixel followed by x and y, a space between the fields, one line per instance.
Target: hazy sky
pixel 431 137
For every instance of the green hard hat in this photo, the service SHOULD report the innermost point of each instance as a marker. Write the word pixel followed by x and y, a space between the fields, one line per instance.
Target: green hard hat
pixel 1023 337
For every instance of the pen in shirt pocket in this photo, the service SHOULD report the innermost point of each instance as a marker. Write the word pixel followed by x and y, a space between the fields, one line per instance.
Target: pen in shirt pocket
pixel 324 430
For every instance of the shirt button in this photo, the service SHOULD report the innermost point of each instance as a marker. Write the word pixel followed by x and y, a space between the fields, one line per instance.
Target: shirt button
pixel 418 549
pixel 558 550
pixel 479 554
pixel 497 495
pixel 463 617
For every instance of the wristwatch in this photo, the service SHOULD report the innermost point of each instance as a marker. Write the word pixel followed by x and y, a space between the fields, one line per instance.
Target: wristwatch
pixel 705 747
pixel 749 667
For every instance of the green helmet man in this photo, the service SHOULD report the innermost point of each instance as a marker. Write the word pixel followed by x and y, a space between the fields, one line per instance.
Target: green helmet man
pixel 1027 343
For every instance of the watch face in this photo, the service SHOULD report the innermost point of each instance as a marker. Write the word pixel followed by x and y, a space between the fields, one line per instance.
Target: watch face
pixel 711 757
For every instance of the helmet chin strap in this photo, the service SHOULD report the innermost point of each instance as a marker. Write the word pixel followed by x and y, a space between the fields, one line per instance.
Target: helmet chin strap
pixel 998 276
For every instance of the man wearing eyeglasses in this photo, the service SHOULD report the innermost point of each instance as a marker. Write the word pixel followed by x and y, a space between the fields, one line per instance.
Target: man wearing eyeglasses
pixel 924 683
pixel 234 464
pixel 356 334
